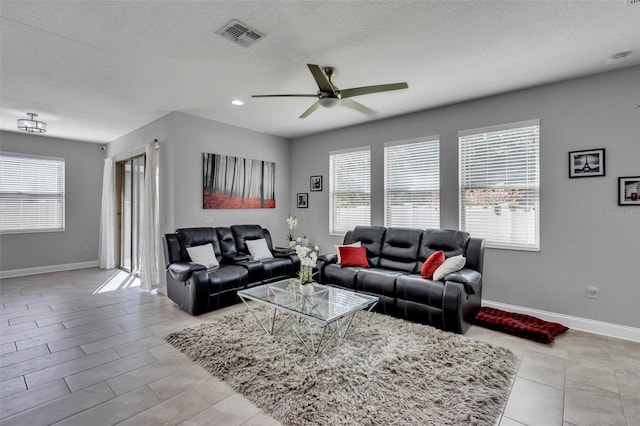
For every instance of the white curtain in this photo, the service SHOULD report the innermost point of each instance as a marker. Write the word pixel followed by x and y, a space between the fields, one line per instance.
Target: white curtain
pixel 149 234
pixel 106 252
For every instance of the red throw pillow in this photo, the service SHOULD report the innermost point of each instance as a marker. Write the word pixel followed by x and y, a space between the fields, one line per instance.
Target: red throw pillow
pixel 431 264
pixel 354 256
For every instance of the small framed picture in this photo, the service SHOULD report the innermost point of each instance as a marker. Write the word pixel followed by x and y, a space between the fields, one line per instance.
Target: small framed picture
pixel 316 183
pixel 588 163
pixel 629 191
pixel 303 200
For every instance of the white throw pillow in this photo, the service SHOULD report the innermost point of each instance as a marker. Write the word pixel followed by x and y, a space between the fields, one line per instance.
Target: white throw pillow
pixel 203 255
pixel 450 265
pixel 337 247
pixel 259 249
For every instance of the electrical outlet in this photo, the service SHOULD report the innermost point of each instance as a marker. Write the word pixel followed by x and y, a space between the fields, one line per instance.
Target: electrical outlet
pixel 207 220
pixel 593 292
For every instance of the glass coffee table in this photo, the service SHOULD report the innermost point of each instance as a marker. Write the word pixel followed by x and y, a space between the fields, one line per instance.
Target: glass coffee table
pixel 332 309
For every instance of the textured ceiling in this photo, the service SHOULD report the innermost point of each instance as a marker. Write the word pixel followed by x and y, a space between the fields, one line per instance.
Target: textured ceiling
pixel 96 70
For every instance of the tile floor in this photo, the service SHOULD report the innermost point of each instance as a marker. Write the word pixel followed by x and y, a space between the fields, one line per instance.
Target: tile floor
pixel 85 348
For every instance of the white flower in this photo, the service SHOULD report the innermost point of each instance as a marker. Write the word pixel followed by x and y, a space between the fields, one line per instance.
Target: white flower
pixel 292 222
pixel 308 256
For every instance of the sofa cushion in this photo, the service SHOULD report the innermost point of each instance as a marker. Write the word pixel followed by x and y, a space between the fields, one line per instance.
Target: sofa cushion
pixel 353 256
pixel 277 267
pixel 258 249
pixel 400 249
pixel 190 237
pixel 342 277
pixel 451 242
pixel 337 247
pixel 227 278
pixel 203 255
pixel 419 290
pixel 242 233
pixel 371 237
pixel 227 243
pixel 450 265
pixel 377 281
pixel 431 264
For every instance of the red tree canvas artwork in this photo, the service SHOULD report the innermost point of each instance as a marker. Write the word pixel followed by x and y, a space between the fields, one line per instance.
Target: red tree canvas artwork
pixel 237 183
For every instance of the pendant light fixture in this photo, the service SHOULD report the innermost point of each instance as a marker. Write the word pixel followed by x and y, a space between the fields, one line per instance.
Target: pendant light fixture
pixel 32 126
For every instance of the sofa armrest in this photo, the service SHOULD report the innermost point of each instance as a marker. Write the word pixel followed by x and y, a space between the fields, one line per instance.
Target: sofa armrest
pixel 324 260
pixel 282 252
pixel 452 307
pixel 234 260
pixel 181 271
pixel 470 279
pixel 328 258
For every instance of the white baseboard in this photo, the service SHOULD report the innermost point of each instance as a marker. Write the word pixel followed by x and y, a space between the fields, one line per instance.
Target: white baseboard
pixel 576 323
pixel 50 268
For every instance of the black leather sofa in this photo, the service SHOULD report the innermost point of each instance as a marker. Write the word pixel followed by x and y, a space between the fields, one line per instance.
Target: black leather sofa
pixel 197 291
pixel 396 256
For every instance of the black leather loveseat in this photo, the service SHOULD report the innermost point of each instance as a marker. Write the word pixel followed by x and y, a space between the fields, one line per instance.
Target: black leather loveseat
pixel 396 256
pixel 197 290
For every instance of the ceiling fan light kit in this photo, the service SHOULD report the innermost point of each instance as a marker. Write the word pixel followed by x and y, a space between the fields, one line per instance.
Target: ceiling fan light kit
pixel 328 102
pixel 31 125
pixel 329 95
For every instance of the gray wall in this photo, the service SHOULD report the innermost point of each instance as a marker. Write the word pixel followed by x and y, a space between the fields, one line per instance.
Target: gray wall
pixel 586 238
pixel 83 192
pixel 160 129
pixel 183 139
pixel 195 136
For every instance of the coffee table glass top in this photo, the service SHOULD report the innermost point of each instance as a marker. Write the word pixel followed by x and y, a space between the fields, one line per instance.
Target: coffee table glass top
pixel 326 304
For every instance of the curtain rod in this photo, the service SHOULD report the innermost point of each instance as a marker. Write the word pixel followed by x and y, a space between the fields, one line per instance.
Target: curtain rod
pixel 135 152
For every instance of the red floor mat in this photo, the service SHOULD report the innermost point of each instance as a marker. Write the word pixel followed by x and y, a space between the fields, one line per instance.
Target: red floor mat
pixel 520 325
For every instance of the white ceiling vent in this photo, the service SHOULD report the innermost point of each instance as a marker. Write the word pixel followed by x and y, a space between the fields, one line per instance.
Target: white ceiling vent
pixel 240 33
pixel 632 3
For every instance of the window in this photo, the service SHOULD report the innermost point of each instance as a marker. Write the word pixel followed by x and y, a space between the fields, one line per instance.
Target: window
pixel 31 193
pixel 349 189
pixel 500 185
pixel 412 183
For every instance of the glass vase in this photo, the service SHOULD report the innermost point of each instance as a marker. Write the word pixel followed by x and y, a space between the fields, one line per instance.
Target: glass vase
pixel 306 274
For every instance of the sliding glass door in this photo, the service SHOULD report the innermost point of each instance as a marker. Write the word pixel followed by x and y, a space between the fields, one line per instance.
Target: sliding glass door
pixel 130 181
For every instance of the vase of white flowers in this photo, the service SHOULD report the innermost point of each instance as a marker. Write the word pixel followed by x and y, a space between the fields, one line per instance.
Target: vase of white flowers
pixel 292 222
pixel 308 258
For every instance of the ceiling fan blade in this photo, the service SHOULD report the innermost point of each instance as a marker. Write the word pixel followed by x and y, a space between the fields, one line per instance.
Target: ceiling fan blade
pixel 350 103
pixel 321 79
pixel 287 96
pixel 309 110
pixel 357 91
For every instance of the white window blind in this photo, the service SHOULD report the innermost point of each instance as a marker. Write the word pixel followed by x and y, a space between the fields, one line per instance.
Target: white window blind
pixel 500 184
pixel 412 184
pixel 31 193
pixel 349 190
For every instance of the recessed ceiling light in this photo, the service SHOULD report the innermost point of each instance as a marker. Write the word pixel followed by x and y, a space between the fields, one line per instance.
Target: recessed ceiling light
pixel 618 57
pixel 237 102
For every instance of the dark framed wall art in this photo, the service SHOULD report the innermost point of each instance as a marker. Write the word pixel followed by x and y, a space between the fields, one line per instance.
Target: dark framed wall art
pixel 237 183
pixel 629 191
pixel 315 183
pixel 587 163
pixel 302 200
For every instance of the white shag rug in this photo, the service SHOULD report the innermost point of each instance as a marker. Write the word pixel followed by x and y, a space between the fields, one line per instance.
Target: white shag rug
pixel 386 372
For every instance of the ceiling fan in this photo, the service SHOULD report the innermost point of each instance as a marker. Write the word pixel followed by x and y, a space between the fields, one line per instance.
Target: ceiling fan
pixel 329 95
